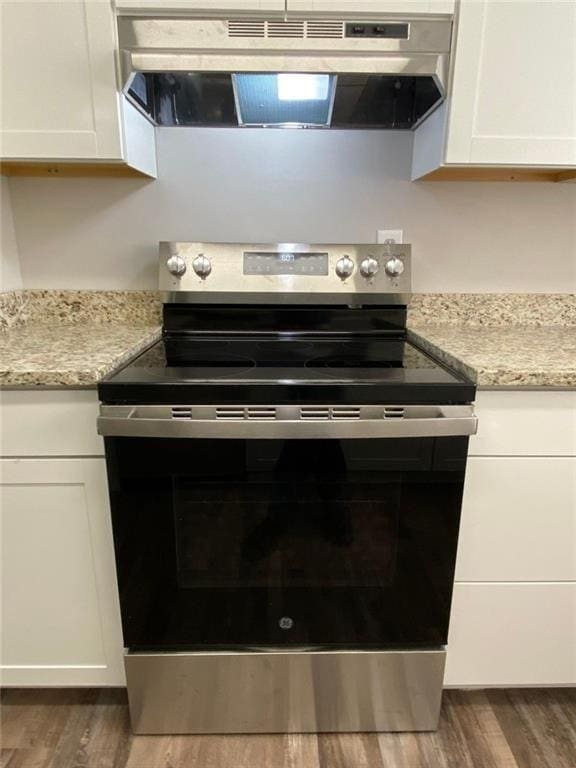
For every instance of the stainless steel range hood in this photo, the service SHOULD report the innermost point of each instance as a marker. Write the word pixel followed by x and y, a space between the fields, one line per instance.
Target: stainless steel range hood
pixel 384 72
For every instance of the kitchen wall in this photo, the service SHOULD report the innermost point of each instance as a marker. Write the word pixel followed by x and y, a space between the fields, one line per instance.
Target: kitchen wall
pixel 312 186
pixel 10 275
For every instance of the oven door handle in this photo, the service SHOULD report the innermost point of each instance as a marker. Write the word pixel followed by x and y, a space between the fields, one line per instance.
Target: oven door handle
pixel 284 422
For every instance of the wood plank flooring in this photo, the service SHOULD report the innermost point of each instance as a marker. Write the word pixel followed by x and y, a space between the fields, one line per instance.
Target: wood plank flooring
pixel 89 728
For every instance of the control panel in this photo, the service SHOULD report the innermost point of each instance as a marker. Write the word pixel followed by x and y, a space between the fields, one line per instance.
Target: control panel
pixel 388 30
pixel 222 271
pixel 285 263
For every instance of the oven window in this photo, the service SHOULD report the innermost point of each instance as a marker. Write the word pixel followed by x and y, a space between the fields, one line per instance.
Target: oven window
pixel 286 527
pixel 270 543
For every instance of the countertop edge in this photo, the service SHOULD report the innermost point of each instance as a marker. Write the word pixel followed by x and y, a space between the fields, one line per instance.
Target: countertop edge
pixel 85 378
pixel 505 378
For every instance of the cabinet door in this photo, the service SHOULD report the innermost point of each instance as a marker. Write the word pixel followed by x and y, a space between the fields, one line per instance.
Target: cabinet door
pixel 513 97
pixel 59 91
pixel 209 6
pixel 512 634
pixel 518 520
pixel 335 7
pixel 60 617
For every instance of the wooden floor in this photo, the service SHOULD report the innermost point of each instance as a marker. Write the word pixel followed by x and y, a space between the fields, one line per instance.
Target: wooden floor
pixel 478 729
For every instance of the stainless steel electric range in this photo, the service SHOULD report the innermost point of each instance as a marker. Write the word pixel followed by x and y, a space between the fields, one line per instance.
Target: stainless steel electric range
pixel 286 472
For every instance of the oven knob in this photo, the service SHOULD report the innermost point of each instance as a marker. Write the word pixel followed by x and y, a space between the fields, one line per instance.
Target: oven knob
pixel 394 267
pixel 344 267
pixel 369 267
pixel 176 265
pixel 202 265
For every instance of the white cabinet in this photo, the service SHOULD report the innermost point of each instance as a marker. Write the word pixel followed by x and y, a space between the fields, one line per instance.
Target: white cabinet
pixel 200 6
pixel 519 520
pixel 513 94
pixel 60 620
pixel 512 634
pixel 60 100
pixel 60 617
pixel 326 7
pixel 513 619
pixel 354 7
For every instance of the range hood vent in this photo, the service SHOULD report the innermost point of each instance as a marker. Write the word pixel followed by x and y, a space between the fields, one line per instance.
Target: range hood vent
pixel 304 29
pixel 386 73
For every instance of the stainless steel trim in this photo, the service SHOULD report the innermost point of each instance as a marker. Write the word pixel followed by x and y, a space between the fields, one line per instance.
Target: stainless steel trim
pixel 227 282
pixel 285 691
pixel 287 422
pixel 223 297
pixel 157 44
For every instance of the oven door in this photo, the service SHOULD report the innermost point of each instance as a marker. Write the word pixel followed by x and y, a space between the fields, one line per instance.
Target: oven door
pixel 317 542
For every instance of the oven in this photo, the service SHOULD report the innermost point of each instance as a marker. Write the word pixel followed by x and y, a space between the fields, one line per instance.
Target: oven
pixel 285 487
pixel 236 541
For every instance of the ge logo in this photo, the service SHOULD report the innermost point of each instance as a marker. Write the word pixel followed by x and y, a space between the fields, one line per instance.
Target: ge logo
pixel 286 622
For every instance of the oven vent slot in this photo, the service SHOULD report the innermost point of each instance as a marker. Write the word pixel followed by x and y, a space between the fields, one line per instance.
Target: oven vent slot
pixel 246 28
pixel 324 29
pixel 394 412
pixel 315 413
pixel 345 413
pixel 182 412
pixel 230 413
pixel 261 413
pixel 286 29
pixel 237 414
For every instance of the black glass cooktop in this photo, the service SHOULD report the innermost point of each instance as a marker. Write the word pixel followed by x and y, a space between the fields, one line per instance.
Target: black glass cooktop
pixel 201 370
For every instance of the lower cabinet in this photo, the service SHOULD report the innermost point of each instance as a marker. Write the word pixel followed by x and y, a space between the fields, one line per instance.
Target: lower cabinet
pixel 514 607
pixel 60 616
pixel 513 616
pixel 512 634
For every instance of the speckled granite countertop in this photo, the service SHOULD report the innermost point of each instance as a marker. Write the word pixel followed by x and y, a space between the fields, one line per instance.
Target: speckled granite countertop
pixel 500 340
pixel 72 338
pixel 75 355
pixel 514 356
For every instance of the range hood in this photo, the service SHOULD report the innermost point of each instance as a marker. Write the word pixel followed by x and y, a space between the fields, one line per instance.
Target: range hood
pixel 310 73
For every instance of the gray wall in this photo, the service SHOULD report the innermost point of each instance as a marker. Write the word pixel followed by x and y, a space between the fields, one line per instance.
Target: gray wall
pixel 290 185
pixel 10 277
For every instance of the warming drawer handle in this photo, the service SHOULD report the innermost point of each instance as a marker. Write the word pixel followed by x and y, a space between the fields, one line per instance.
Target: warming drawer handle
pixel 203 423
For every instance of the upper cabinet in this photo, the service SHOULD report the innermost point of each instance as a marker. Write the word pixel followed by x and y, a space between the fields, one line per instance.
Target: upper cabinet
pixel 326 7
pixel 513 96
pixel 353 7
pixel 217 7
pixel 60 100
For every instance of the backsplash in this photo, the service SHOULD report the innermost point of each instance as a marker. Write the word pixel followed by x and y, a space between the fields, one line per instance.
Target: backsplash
pixel 69 306
pixel 493 309
pixel 143 307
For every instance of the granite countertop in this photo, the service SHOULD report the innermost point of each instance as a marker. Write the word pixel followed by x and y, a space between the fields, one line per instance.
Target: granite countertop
pixel 74 338
pixel 69 355
pixel 504 356
pixel 52 338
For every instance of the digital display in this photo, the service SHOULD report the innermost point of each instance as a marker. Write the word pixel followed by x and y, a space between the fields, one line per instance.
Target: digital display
pixel 285 263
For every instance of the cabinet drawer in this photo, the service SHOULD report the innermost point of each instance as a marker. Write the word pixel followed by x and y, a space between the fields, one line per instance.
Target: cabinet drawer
pixel 525 424
pixel 518 520
pixel 512 634
pixel 50 423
